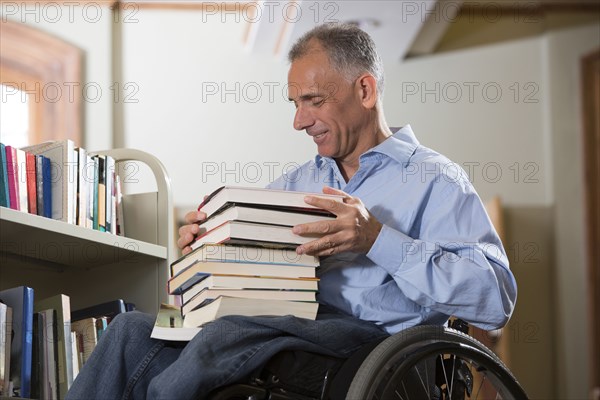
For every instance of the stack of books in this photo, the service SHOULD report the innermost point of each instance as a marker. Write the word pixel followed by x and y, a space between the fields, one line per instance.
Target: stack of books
pixel 61 181
pixel 244 262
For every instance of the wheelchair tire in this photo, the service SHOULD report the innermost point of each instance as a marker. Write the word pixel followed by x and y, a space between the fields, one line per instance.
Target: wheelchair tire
pixel 404 359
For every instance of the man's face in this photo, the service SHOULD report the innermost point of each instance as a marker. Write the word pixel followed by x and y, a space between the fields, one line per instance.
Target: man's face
pixel 328 107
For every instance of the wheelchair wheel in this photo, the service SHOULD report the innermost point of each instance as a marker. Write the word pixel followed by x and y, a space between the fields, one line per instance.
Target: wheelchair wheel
pixel 433 362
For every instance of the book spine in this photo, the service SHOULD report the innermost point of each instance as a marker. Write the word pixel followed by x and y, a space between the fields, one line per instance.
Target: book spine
pixel 47 186
pixel 39 184
pixel 102 193
pixel 30 165
pixel 89 180
pixel 95 195
pixel 12 168
pixel 26 342
pixel 4 196
pixel 110 179
pixel 81 215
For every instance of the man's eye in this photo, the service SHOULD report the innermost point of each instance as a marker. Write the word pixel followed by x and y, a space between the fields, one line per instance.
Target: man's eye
pixel 318 102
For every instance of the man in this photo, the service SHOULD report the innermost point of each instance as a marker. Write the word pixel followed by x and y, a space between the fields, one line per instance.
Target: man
pixel 411 243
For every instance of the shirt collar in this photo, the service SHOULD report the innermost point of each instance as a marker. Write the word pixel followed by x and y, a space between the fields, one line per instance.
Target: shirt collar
pixel 400 147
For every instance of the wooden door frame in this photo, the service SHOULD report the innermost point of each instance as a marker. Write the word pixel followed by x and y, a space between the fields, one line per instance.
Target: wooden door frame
pixel 590 84
pixel 50 71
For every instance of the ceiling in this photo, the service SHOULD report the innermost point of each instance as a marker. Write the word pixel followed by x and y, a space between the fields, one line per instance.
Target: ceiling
pixel 404 29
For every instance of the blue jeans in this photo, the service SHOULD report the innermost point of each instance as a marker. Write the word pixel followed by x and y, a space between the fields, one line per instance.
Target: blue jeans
pixel 128 364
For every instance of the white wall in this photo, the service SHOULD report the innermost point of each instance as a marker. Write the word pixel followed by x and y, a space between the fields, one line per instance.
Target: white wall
pixel 236 136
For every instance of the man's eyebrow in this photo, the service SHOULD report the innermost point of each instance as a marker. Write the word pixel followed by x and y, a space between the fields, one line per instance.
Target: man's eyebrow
pixel 308 96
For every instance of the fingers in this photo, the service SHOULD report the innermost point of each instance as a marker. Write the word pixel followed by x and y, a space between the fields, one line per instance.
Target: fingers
pixel 194 217
pixel 325 246
pixel 330 190
pixel 187 233
pixel 334 207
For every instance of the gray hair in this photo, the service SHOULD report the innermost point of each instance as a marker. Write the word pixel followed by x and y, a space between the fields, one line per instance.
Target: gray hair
pixel 351 51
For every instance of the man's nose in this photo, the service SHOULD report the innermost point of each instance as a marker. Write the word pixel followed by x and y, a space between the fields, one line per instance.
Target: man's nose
pixel 303 119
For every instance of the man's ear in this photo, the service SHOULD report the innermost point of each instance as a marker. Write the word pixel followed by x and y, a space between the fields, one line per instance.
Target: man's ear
pixel 366 85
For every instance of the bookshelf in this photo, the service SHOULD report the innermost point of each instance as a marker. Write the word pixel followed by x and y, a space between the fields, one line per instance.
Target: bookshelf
pixel 91 266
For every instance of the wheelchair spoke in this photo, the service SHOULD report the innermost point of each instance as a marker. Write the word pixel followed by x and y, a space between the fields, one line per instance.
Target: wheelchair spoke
pixel 452 379
pixel 425 387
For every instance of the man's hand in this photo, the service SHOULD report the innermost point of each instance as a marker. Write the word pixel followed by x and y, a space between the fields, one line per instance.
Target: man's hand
pixel 187 233
pixel 355 228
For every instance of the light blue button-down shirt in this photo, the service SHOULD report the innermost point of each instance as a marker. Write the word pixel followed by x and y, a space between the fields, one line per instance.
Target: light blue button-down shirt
pixel 437 254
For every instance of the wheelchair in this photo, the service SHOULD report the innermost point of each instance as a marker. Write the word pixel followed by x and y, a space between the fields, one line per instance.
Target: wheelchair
pixel 423 362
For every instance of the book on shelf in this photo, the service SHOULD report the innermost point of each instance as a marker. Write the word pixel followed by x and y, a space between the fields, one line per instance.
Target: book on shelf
pixel 37 343
pixel 48 354
pixel 279 199
pixel 202 281
pixel 64 170
pixel 22 180
pixel 223 306
pixel 101 193
pixel 243 254
pixel 82 203
pixel 62 305
pixel 44 186
pixel 4 199
pixel 252 234
pixel 108 309
pixel 58 180
pixel 7 345
pixel 87 337
pixel 110 194
pixel 30 163
pixel 12 177
pixel 5 327
pixel 20 299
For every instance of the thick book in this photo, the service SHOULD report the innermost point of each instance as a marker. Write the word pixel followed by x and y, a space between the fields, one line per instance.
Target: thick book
pixel 4 199
pixel 245 269
pixel 252 234
pixel 20 299
pixel 207 294
pixel 256 214
pixel 62 305
pixel 201 281
pixel 283 199
pixel 64 173
pixel 244 254
pixel 169 325
pixel 223 306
